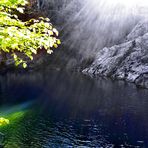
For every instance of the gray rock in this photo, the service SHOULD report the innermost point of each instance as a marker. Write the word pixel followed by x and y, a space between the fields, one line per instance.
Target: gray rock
pixel 140 29
pixel 127 61
pixel 142 80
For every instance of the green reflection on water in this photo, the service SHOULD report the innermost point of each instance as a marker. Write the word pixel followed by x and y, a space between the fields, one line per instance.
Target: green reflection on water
pixel 3 121
pixel 8 132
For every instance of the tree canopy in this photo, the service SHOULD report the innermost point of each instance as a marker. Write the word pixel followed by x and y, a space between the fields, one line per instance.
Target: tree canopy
pixel 21 40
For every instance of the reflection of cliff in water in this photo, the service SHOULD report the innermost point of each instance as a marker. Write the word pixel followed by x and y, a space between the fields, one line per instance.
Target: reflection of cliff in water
pixel 71 88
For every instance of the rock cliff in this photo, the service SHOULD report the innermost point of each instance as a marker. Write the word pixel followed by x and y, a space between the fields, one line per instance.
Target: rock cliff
pixel 127 61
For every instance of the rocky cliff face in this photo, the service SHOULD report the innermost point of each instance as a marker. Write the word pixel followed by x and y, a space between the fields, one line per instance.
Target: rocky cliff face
pixel 127 61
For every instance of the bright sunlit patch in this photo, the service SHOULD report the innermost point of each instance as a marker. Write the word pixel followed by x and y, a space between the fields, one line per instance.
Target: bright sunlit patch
pixel 11 114
pixel 127 3
pixel 128 6
pixel 3 121
pixel 117 9
pixel 16 115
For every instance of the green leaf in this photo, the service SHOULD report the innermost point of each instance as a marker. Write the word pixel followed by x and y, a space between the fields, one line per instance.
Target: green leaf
pixel 22 40
pixel 24 65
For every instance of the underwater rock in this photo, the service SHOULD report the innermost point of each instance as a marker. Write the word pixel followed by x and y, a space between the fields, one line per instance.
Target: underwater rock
pixel 127 61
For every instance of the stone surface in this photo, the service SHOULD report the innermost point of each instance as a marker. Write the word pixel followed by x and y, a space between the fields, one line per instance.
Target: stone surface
pixel 127 61
pixel 140 29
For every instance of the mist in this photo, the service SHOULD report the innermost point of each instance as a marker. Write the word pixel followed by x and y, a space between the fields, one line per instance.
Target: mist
pixel 88 26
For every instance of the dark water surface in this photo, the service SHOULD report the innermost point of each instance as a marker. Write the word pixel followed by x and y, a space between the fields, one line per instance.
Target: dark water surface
pixel 58 109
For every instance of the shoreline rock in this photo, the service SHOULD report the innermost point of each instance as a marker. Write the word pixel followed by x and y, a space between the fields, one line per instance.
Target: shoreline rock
pixel 127 61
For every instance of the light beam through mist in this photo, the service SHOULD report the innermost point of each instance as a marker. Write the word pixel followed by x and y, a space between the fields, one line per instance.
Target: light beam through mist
pixel 126 3
pixel 90 25
pixel 100 23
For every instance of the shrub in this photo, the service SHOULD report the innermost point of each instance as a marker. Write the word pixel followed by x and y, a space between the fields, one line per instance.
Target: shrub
pixel 22 40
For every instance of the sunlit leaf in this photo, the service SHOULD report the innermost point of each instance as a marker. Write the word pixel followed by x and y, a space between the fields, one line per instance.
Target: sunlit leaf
pixel 24 65
pixel 24 39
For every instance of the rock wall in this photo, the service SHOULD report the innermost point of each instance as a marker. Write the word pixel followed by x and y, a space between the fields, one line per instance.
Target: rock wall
pixel 127 61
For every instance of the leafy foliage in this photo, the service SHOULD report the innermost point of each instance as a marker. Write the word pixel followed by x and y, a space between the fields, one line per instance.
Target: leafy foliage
pixel 22 40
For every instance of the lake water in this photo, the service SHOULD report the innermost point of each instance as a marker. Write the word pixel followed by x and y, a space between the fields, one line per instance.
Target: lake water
pixel 60 109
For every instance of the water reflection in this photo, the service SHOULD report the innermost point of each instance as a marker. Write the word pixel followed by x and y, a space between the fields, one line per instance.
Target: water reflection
pixel 72 110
